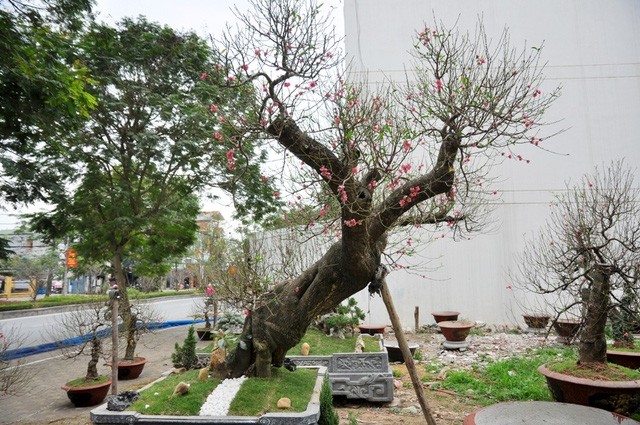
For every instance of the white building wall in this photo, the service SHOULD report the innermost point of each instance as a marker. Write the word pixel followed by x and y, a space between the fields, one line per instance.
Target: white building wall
pixel 593 51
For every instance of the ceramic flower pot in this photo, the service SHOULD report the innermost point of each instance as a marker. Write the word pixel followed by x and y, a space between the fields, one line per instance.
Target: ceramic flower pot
pixel 131 369
pixel 620 396
pixel 88 395
pixel 455 333
pixel 371 329
pixel 443 316
pixel 204 334
pixel 395 353
pixel 536 321
pixel 630 359
pixel 566 329
pixel 455 330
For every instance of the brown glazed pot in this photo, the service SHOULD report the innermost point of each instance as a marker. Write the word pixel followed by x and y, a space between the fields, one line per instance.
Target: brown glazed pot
pixel 455 330
pixel 443 316
pixel 536 321
pixel 622 397
pixel 630 359
pixel 371 329
pixel 89 395
pixel 131 369
pixel 204 334
pixel 566 329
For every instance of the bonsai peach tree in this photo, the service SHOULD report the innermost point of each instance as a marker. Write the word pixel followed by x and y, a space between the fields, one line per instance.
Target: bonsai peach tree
pixel 365 162
pixel 82 333
pixel 587 256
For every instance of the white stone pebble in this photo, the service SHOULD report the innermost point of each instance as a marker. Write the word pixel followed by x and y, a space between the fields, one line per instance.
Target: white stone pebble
pixel 218 402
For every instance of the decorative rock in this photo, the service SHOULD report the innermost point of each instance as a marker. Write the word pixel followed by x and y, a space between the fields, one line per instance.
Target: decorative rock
pixel 216 359
pixel 179 370
pixel 359 344
pixel 284 403
pixel 121 401
pixel 411 410
pixel 181 389
pixel 305 349
pixel 289 364
pixel 203 375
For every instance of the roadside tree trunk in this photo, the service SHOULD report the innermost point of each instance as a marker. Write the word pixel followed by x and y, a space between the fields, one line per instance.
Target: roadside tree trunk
pixel 128 319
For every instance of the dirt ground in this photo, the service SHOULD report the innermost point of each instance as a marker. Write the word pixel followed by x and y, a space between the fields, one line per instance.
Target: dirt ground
pixel 447 408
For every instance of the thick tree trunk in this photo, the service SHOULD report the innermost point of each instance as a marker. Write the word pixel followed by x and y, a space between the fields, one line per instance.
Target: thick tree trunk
pixel 281 316
pixel 592 348
pixel 128 320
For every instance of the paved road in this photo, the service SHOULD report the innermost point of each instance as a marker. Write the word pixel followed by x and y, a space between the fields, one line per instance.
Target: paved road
pixel 40 326
pixel 44 402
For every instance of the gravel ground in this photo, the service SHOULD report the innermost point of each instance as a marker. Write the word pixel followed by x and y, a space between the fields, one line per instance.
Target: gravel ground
pixel 219 401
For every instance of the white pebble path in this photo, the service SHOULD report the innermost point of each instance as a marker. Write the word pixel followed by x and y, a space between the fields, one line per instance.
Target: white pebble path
pixel 218 402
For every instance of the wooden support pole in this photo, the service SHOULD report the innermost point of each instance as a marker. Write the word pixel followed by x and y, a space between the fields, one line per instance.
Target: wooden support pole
pixel 416 318
pixel 114 344
pixel 406 353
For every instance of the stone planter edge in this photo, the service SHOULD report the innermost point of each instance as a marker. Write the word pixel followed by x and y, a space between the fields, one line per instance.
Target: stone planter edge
pixel 363 381
pixel 310 416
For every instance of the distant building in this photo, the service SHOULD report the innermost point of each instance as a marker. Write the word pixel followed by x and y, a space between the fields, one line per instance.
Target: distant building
pixel 206 220
pixel 26 244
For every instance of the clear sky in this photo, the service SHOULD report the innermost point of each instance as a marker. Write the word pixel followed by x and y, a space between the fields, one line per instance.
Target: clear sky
pixel 203 16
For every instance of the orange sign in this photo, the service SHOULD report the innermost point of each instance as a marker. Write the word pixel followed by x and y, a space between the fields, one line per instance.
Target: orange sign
pixel 72 258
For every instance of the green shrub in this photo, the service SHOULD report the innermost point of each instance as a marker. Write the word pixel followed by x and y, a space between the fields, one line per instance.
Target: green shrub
pixel 230 321
pixel 346 318
pixel 328 415
pixel 185 356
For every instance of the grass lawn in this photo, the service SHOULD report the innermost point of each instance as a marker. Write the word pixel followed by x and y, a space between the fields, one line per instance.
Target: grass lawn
pixel 158 399
pixel 256 396
pixel 321 344
pixel 324 345
pixel 514 379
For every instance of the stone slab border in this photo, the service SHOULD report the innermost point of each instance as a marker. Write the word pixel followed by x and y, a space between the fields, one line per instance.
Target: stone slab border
pixel 310 416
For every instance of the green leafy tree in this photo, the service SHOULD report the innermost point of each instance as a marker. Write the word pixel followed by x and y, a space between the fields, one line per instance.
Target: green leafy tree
pixel 43 94
pixel 149 148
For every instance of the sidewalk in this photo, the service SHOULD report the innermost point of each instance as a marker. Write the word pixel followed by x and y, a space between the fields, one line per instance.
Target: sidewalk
pixel 44 402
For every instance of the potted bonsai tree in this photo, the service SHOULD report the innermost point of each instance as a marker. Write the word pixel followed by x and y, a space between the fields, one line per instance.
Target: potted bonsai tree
pixel 83 331
pixel 587 252
pixel 623 321
pixel 207 309
pixel 131 365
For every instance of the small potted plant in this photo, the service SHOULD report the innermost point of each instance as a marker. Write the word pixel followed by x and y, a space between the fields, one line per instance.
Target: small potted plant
pixel 92 323
pixel 207 309
pixel 346 318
